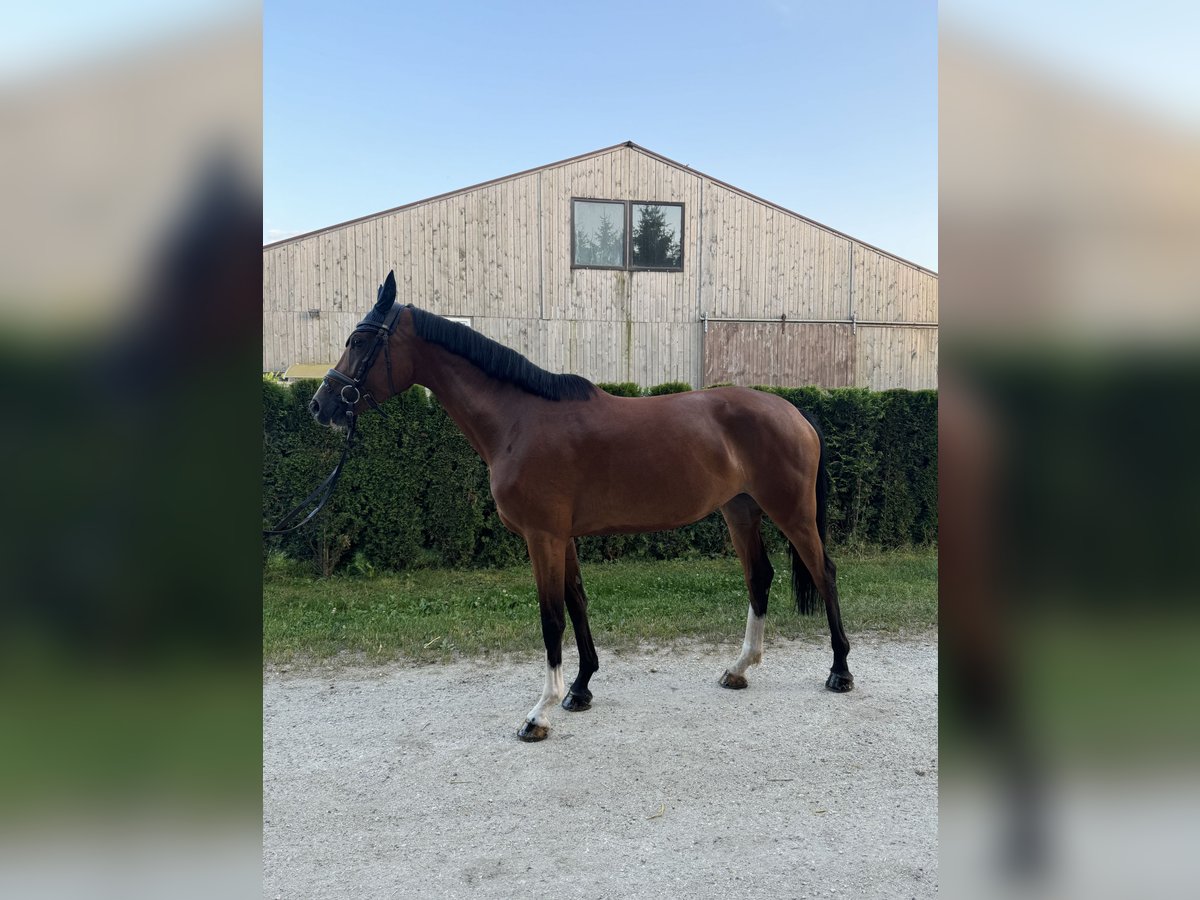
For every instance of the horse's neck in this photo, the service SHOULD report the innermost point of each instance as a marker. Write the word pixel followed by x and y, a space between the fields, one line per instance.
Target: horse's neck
pixel 480 406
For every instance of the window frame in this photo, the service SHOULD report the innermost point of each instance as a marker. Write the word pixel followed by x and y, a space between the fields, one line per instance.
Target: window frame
pixel 628 242
pixel 629 230
pixel 624 241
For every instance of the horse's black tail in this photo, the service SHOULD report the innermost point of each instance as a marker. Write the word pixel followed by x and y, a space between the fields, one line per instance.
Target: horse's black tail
pixel 804 589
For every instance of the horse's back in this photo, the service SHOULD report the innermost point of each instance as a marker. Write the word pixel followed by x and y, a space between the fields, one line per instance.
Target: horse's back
pixel 742 415
pixel 755 430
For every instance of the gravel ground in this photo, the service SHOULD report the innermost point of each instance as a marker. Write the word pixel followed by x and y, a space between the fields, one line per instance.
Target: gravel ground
pixel 410 782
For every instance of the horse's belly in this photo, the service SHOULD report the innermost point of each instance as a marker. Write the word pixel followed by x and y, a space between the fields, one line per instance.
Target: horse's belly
pixel 615 491
pixel 649 505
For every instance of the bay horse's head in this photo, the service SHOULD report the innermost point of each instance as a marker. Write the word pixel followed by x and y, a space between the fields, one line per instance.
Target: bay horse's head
pixel 370 370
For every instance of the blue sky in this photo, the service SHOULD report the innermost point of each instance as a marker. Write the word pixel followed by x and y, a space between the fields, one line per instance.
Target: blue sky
pixel 826 108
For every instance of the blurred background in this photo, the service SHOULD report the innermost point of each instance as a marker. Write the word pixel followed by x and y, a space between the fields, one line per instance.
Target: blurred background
pixel 1069 218
pixel 130 172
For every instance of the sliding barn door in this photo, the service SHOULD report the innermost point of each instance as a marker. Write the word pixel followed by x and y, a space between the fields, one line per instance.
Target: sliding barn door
pixel 792 354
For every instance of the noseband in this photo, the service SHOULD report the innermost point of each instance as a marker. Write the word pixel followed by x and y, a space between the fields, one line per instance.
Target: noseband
pixel 380 326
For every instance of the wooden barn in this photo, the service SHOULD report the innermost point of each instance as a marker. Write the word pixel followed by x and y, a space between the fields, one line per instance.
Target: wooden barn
pixel 619 265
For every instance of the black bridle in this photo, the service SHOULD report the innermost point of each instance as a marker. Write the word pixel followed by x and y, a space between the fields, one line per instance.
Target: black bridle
pixel 379 324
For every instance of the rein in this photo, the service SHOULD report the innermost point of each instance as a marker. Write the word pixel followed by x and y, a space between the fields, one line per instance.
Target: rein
pixel 324 490
pixel 380 325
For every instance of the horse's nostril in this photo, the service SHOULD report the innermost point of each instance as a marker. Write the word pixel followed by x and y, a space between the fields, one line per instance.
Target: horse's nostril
pixel 314 406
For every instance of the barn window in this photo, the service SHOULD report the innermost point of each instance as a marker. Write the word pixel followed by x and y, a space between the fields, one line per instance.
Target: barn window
pixel 598 238
pixel 618 234
pixel 657 241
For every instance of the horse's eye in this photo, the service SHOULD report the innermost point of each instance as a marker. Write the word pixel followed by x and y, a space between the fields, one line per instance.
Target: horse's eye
pixel 355 343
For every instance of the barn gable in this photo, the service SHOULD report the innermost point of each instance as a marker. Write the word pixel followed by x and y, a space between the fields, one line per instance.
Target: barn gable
pixel 760 294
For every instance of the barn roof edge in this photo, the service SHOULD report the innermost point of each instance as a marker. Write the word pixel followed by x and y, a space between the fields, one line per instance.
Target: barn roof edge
pixel 602 151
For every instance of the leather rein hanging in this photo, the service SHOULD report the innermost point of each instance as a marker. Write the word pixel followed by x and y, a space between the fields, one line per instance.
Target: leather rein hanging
pixel 380 326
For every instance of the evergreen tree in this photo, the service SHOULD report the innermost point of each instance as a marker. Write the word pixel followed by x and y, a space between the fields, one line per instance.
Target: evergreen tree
pixel 654 241
pixel 609 240
pixel 585 248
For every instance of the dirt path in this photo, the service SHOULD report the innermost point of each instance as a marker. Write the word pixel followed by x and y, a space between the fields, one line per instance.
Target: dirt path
pixel 410 782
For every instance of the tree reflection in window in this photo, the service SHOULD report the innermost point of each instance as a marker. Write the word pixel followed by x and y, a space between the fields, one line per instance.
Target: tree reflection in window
pixel 619 234
pixel 599 234
pixel 656 236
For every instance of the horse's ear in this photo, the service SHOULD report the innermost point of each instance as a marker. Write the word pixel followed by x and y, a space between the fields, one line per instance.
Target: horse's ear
pixel 387 294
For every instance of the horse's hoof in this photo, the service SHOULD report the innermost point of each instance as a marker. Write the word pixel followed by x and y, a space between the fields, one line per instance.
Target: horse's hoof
pixel 577 702
pixel 531 732
pixel 840 682
pixel 733 682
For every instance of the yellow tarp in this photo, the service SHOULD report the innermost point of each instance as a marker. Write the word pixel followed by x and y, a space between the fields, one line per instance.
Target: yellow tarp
pixel 306 370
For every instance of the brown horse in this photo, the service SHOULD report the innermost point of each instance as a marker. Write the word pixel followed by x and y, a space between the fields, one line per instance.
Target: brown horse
pixel 567 459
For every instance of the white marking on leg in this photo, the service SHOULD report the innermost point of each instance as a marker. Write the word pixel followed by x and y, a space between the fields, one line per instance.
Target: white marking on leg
pixel 752 646
pixel 552 695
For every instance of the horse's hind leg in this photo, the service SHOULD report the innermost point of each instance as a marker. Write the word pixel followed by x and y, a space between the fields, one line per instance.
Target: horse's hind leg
pixel 549 555
pixel 744 518
pixel 807 545
pixel 579 697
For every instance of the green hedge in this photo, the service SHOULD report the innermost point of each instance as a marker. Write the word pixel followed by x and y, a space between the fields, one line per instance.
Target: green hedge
pixel 414 493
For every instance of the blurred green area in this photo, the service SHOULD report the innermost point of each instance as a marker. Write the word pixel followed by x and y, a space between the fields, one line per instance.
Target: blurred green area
pixel 1112 693
pixel 181 735
pixel 129 637
pixel 1101 695
pixel 1099 486
pixel 129 550
pixel 1088 608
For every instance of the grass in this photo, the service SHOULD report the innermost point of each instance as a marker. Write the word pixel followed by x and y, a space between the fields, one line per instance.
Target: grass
pixel 434 614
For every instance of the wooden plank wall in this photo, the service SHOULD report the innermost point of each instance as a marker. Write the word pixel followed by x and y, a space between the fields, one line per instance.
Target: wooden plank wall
pixel 887 290
pixel 760 262
pixel 750 353
pixel 486 253
pixel 896 357
pixel 474 254
pixel 827 355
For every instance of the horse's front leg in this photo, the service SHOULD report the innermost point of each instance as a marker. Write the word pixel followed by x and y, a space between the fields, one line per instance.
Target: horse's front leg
pixel 549 557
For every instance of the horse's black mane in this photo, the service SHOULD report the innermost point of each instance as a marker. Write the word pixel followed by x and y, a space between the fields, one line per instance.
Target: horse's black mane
pixel 498 361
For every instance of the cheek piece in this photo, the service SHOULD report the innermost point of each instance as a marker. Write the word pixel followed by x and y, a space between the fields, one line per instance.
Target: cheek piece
pixel 350 388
